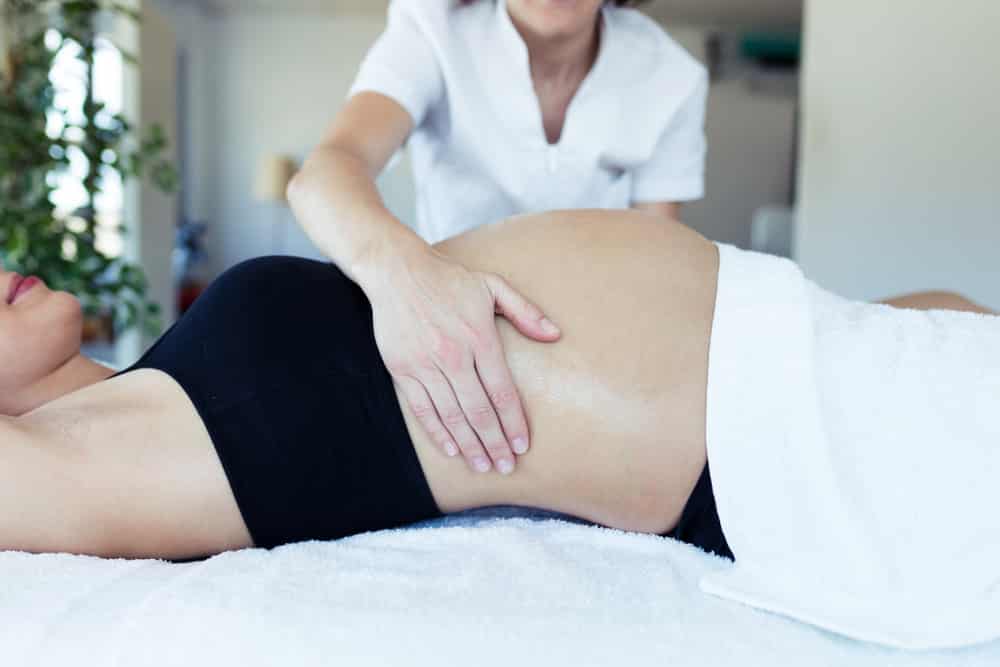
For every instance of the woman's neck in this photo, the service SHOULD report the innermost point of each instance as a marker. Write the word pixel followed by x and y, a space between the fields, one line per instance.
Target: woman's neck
pixel 561 59
pixel 76 373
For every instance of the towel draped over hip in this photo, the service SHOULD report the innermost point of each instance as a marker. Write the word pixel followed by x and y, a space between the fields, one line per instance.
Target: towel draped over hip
pixel 855 453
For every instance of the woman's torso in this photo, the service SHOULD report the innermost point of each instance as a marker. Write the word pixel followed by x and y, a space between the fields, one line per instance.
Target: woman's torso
pixel 617 406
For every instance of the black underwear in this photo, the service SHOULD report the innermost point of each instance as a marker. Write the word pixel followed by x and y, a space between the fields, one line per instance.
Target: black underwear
pixel 699 524
pixel 278 357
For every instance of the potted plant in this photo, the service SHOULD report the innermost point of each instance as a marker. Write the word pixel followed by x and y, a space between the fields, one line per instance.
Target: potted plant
pixel 63 249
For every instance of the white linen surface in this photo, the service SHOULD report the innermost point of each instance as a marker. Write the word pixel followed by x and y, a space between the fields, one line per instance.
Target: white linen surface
pixel 855 459
pixel 508 593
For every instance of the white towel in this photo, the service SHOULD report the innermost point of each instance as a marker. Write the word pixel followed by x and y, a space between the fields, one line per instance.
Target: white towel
pixel 511 593
pixel 855 458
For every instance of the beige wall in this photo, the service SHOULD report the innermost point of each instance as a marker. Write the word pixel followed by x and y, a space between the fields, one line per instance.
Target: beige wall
pixel 900 179
pixel 150 215
pixel 714 12
pixel 158 106
pixel 750 151
pixel 263 82
pixel 3 33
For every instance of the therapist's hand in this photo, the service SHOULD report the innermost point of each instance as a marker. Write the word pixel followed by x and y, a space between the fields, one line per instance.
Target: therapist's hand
pixel 435 329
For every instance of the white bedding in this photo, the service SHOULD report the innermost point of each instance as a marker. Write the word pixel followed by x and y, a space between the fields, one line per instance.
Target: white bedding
pixel 509 592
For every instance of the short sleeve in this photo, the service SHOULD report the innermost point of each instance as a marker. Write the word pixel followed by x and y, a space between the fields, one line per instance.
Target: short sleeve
pixel 676 170
pixel 401 64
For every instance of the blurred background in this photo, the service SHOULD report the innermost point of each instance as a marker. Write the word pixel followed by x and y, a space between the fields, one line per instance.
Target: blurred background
pixel 861 139
pixel 261 79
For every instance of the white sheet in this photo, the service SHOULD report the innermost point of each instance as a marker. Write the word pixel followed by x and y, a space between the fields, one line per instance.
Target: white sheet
pixel 510 593
pixel 855 459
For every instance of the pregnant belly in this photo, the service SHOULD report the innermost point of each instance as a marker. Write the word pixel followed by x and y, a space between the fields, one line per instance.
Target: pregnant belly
pixel 617 407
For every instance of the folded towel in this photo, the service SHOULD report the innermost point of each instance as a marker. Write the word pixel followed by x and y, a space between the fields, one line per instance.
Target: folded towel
pixel 855 455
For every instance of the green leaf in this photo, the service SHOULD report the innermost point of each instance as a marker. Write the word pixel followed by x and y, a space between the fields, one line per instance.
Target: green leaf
pixel 32 238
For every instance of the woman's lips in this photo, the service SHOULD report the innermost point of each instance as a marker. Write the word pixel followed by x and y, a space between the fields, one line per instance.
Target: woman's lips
pixel 15 282
pixel 20 286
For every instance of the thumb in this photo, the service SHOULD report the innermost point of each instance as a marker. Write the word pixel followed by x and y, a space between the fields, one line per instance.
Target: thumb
pixel 524 315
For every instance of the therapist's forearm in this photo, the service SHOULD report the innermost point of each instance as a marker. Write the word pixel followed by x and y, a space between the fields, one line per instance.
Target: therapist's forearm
pixel 335 200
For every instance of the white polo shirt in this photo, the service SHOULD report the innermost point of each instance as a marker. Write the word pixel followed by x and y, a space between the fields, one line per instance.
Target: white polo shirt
pixel 634 132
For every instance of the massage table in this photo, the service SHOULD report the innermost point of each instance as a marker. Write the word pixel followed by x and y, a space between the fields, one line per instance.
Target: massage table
pixel 479 588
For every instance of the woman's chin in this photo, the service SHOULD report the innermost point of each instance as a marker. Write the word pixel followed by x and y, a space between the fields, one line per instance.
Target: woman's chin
pixel 65 329
pixel 73 311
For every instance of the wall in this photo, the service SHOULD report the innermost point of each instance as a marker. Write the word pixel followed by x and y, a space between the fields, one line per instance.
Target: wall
pixel 715 12
pixel 4 38
pixel 280 82
pixel 258 83
pixel 150 215
pixel 750 131
pixel 158 213
pixel 750 154
pixel 196 65
pixel 900 185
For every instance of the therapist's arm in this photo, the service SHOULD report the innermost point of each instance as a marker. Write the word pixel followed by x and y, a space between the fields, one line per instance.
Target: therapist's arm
pixel 667 210
pixel 434 320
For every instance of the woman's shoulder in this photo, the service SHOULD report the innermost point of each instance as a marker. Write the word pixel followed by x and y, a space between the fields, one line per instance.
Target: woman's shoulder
pixel 650 47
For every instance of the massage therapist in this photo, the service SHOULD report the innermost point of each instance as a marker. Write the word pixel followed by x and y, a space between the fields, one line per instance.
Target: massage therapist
pixel 509 107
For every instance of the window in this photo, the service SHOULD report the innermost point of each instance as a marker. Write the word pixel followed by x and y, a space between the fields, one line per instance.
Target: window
pixel 68 75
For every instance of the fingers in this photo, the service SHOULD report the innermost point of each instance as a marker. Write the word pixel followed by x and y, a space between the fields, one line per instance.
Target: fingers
pixel 482 417
pixel 441 346
pixel 434 405
pixel 423 409
pixel 503 395
pixel 459 423
pixel 523 314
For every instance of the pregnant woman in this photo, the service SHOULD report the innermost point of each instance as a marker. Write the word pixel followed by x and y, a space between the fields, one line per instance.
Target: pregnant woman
pixel 265 416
